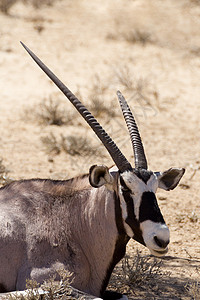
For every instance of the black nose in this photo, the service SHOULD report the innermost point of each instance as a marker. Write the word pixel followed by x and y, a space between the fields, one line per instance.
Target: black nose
pixel 160 242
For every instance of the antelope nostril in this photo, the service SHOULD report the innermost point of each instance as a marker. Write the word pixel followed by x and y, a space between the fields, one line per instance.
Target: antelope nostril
pixel 161 243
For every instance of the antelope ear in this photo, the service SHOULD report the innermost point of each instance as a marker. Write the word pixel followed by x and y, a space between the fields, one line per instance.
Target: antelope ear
pixel 100 175
pixel 169 179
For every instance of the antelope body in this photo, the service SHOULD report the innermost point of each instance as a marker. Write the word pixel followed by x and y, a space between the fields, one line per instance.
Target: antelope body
pixel 83 224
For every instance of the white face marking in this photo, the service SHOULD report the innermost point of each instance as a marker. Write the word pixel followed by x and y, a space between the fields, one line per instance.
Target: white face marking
pixel 149 229
pixel 128 229
pixel 123 298
pixel 138 187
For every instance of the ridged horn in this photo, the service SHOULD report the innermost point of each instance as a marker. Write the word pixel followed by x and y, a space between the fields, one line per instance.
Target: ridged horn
pixel 139 155
pixel 117 156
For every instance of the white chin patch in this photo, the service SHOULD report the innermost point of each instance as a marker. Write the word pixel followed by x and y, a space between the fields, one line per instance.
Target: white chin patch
pixel 150 230
pixel 158 253
pixel 123 297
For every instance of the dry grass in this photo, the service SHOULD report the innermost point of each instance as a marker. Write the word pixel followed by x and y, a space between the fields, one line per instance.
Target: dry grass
pixel 5 5
pixel 130 28
pixel 38 3
pixel 100 104
pixel 195 50
pixel 4 179
pixel 132 34
pixel 152 23
pixel 141 270
pixel 32 292
pixel 98 86
pixel 51 144
pixel 136 272
pixel 193 217
pixel 138 36
pixel 78 145
pixel 50 111
pixel 125 78
pixel 139 88
pixel 49 290
pixel 73 145
pixel 196 2
pixel 193 290
pixel 101 108
pixel 53 111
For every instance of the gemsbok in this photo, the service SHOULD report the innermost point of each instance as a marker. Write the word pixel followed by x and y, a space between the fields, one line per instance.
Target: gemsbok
pixel 82 224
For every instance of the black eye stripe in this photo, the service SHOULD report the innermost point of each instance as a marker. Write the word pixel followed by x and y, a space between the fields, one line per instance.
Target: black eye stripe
pixel 131 218
pixel 124 186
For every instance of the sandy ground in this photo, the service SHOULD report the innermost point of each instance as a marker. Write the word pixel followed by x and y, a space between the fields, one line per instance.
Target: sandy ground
pixel 150 50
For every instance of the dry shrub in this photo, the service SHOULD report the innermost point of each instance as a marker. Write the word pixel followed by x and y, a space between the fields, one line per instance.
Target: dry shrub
pixel 38 3
pixel 197 2
pixel 138 88
pixel 195 50
pixel 32 292
pixel 100 105
pixel 72 145
pixel 193 289
pixel 58 289
pixel 138 36
pixel 49 290
pixel 5 5
pixel 54 111
pixel 193 217
pixel 51 112
pixel 100 108
pixel 51 144
pixel 132 28
pixel 98 86
pixel 39 27
pixel 128 80
pixel 136 272
pixel 78 145
pixel 125 78
pixel 141 270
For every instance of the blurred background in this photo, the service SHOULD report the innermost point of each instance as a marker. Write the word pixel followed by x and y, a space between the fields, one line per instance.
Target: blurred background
pixel 147 49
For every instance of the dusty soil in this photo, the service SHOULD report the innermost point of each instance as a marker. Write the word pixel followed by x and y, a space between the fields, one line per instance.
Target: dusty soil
pixel 150 50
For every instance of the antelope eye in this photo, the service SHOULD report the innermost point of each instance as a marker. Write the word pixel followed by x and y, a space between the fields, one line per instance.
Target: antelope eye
pixel 124 186
pixel 125 189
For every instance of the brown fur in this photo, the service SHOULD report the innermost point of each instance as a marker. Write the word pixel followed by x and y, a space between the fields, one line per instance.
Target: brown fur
pixel 46 225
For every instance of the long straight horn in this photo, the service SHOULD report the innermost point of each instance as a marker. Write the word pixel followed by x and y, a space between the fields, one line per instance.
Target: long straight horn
pixel 117 156
pixel 140 159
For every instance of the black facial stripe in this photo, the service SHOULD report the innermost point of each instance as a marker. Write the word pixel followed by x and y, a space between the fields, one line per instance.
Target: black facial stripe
pixel 118 216
pixel 149 209
pixel 120 246
pixel 123 184
pixel 131 219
